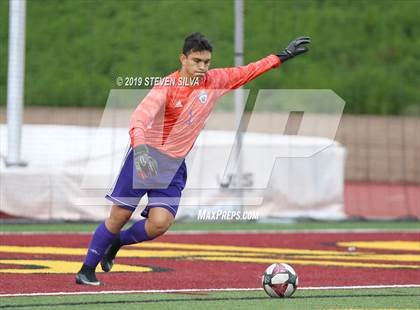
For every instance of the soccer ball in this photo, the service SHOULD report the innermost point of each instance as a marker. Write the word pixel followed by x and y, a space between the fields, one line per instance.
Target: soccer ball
pixel 280 280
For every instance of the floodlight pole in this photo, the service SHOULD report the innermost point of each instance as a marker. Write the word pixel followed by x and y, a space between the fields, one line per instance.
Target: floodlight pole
pixel 15 81
pixel 239 93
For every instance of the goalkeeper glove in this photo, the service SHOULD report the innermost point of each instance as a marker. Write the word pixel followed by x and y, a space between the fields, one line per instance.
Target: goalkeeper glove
pixel 146 165
pixel 294 48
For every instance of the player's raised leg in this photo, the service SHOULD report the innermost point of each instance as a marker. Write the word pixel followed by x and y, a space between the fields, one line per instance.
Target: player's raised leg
pixel 102 238
pixel 157 223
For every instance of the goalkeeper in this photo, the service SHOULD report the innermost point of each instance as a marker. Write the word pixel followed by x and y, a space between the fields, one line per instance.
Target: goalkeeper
pixel 163 130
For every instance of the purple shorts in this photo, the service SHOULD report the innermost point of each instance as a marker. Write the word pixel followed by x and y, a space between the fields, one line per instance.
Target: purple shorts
pixel 163 190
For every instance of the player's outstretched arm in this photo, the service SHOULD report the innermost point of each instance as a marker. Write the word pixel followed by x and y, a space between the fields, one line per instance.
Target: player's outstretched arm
pixel 295 48
pixel 146 165
pixel 231 78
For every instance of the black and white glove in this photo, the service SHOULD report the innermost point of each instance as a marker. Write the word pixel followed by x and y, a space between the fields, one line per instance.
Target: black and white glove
pixel 294 48
pixel 146 165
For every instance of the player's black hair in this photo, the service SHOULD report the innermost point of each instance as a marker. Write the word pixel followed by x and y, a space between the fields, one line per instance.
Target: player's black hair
pixel 196 42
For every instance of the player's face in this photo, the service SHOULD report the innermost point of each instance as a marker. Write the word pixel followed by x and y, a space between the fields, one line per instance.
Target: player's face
pixel 196 64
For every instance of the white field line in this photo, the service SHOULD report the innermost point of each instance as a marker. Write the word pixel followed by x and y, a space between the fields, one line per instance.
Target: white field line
pixel 313 288
pixel 264 231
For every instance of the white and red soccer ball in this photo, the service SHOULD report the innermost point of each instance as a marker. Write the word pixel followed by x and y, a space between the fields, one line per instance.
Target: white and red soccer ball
pixel 280 280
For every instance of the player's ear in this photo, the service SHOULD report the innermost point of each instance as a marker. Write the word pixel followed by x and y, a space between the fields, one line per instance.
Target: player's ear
pixel 182 59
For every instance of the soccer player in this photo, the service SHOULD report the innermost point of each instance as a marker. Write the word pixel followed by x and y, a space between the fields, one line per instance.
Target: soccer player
pixel 163 130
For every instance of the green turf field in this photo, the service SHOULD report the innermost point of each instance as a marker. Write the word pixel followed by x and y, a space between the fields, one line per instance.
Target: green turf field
pixel 225 226
pixel 401 298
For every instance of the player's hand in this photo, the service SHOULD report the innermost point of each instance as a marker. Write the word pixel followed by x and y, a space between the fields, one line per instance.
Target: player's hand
pixel 146 165
pixel 295 48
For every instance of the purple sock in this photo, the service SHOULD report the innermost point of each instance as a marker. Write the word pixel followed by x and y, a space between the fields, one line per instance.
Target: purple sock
pixel 101 239
pixel 135 234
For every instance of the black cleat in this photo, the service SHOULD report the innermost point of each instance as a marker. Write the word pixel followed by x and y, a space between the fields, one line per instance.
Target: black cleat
pixel 86 276
pixel 108 259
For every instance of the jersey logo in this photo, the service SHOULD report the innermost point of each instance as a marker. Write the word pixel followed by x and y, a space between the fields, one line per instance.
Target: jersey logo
pixel 178 104
pixel 203 96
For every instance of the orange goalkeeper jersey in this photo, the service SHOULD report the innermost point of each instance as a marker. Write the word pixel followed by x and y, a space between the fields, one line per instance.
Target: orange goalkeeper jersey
pixel 172 115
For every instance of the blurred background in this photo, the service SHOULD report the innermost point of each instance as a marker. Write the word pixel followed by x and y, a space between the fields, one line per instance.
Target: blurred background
pixel 367 52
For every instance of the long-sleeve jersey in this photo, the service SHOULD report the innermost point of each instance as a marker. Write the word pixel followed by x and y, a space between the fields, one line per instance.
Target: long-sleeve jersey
pixel 171 117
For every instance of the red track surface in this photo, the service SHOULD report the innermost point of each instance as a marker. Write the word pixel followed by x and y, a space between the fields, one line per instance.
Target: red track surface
pixel 188 274
pixel 382 200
